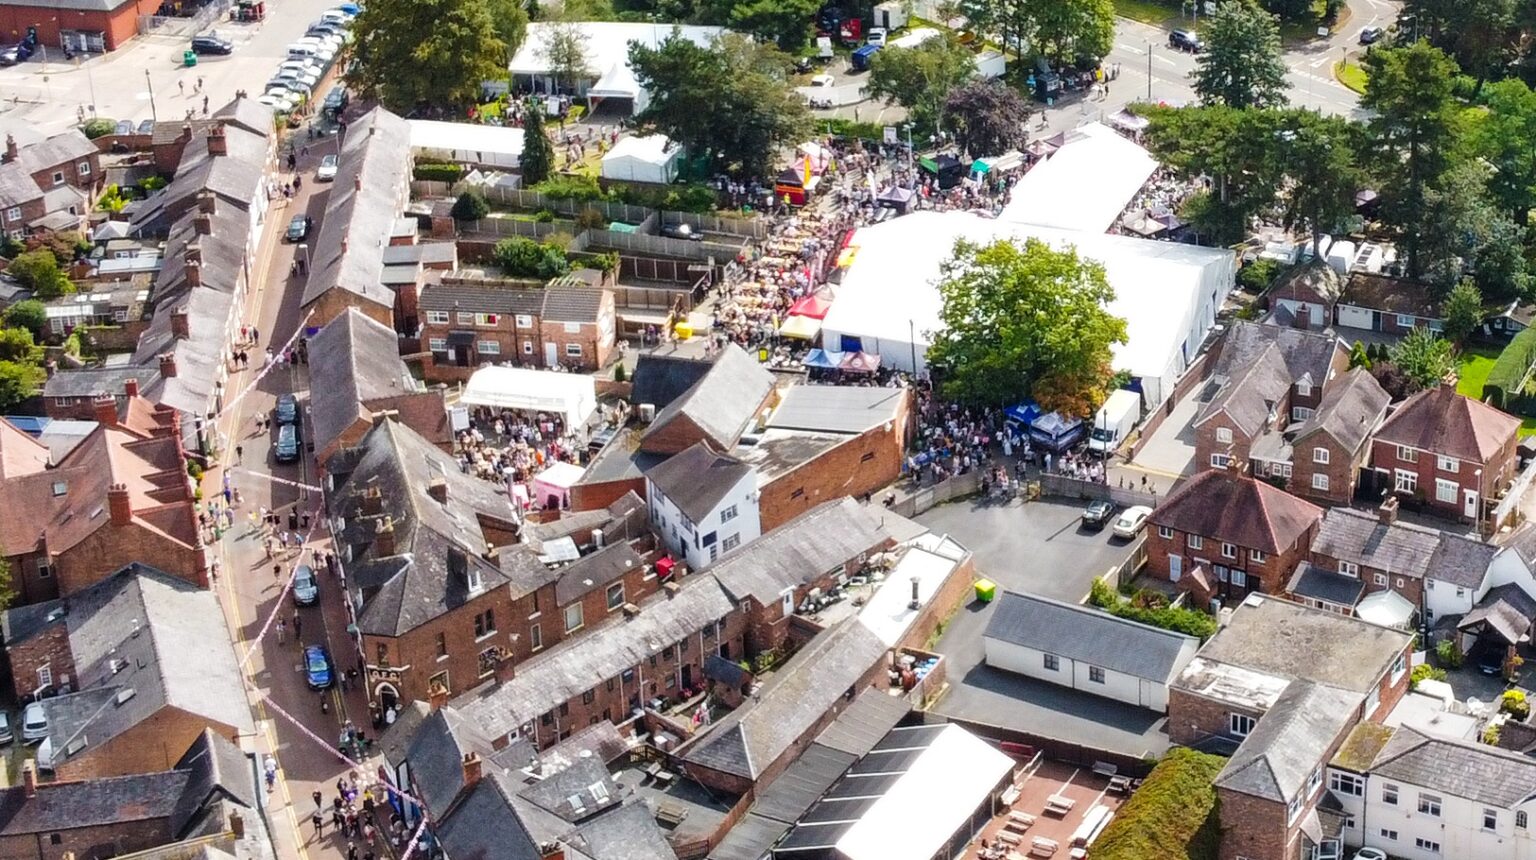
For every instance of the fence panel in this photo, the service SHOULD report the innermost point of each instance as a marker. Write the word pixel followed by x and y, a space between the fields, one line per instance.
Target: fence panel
pixel 1061 485
pixel 747 228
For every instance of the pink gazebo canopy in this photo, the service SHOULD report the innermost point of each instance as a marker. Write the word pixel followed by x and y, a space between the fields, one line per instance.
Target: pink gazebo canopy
pixel 812 306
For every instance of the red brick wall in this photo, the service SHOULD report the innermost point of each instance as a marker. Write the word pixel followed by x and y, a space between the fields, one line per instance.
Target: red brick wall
pixel 1384 455
pixel 30 587
pixel 678 434
pixel 1272 574
pixel 1342 468
pixel 48 648
pixel 1206 443
pixel 1193 718
pixel 118 26
pixel 103 840
pixel 863 464
pixel 86 182
pixel 111 548
pixel 335 302
pixel 30 211
pixel 590 497
pixel 1255 829
pixel 155 744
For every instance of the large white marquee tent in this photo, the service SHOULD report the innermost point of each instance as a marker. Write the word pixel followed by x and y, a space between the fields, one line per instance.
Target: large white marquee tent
pixel 573 395
pixel 1085 184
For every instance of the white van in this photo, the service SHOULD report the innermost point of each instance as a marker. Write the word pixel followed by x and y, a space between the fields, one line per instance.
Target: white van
pixel 1114 422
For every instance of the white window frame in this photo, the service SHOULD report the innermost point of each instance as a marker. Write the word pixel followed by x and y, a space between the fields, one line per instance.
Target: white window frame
pixel 1406 320
pixel 13 213
pixel 1349 568
pixel 83 168
pixel 487 320
pixel 1239 577
pixel 730 543
pixel 465 318
pixel 1303 388
pixel 573 328
pixel 1257 556
pixel 727 514
pixel 1389 793
pixel 1446 491
pixel 1165 533
pixel 437 318
pixel 1194 541
pixel 524 321
pixel 527 347
pixel 1405 481
pixel 1223 434
pixel 1351 784
pixel 1228 550
pixel 1301 413
pixel 1321 455
pixel 573 350
pixel 487 347
pixel 437 344
pixel 1097 675
pixel 1380 579
pixel 1407 454
pixel 58 178
pixel 1220 461
pixel 580 621
pixel 616 588
pixel 1447 464
pixel 1389 834
pixel 1429 845
pixel 1051 662
pixel 1240 725
pixel 1320 481
pixel 1490 819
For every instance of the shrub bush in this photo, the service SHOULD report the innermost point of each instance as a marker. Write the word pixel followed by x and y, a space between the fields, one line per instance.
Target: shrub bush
pixel 1258 275
pixel 1449 655
pixel 522 257
pixel 1510 368
pixel 1147 608
pixel 570 188
pixel 1172 816
pixel 1514 704
pixel 1425 672
pixel 591 219
pixel 470 206
pixel 544 216
pixel 449 173
pixel 99 127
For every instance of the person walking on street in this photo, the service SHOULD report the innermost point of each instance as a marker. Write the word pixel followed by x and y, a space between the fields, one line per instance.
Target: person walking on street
pixel 317 797
pixel 281 627
pixel 239 454
pixel 298 633
pixel 319 823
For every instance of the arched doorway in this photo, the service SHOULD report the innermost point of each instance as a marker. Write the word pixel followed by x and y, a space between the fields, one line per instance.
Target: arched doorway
pixel 386 695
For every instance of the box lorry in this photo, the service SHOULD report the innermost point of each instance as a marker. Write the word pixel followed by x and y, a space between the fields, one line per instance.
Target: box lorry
pixel 1114 422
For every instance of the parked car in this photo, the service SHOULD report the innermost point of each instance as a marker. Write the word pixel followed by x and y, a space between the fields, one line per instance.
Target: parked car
pixel 681 231
pixel 1097 514
pixel 10 55
pixel 317 667
pixel 876 37
pixel 294 86
pixel 306 588
pixel 287 410
pixel 280 101
pixel 1372 35
pixel 298 228
pixel 327 170
pixel 212 45
pixel 1131 521
pixel 6 735
pixel 124 126
pixel 1488 657
pixel 147 126
pixel 1184 40
pixel 1369 853
pixel 823 81
pixel 34 723
pixel 287 448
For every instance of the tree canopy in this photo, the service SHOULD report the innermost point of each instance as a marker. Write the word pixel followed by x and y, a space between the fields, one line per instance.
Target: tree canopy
pixel 1063 32
pixel 1240 66
pixel 987 117
pixel 729 103
pixel 920 78
pixel 1424 357
pixel 1463 312
pixel 1025 320
pixel 538 159
pixel 39 272
pixel 414 52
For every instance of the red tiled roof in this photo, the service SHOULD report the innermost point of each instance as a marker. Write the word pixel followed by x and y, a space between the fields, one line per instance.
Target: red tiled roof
pixel 1223 506
pixel 1446 423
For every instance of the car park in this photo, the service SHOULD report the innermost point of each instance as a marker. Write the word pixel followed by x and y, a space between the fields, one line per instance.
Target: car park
pixel 212 45
pixel 287 409
pixel 306 587
pixel 317 668
pixel 326 172
pixel 298 228
pixel 1097 514
pixel 34 723
pixel 1184 40
pixel 1132 521
pixel 287 448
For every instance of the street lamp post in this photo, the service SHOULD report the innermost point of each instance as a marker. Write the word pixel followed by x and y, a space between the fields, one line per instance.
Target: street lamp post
pixel 153 114
pixel 1149 71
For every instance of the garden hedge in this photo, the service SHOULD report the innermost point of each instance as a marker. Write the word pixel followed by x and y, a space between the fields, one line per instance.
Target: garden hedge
pixel 1173 816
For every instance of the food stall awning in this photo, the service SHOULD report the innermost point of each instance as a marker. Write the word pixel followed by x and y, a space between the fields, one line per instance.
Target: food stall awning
pixel 828 359
pixel 801 328
pixel 812 306
pixel 861 362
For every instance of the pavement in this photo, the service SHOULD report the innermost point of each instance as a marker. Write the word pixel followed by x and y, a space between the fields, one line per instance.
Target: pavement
pixel 1062 560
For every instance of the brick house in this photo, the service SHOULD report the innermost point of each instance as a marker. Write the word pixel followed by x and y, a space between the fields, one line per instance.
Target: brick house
pixel 211 790
pixel 1266 380
pixel 1224 534
pixel 356 361
pixel 577 325
pixel 1333 445
pixel 48 186
pixel 1305 296
pixel 99 27
pixel 1453 454
pixel 1389 305
pixel 468 325
pixel 146 660
pixel 1286 684
pixel 120 495
pixel 703 504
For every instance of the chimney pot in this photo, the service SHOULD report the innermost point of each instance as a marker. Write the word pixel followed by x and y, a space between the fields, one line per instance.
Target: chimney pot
pixel 207 202
pixel 471 769
pixel 12 151
pixel 1387 513
pixel 120 505
pixel 194 278
pixel 217 143
pixel 437 696
pixel 202 222
pixel 29 777
pixel 186 131
pixel 357 181
pixel 131 387
pixel 106 410
pixel 168 366
pixel 181 324
pixel 384 537
pixel 237 825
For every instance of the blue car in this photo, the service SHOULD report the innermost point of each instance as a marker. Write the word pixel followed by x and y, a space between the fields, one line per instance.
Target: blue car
pixel 317 667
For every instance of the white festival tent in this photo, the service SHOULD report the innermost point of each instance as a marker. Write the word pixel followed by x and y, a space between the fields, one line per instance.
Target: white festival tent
pixel 572 395
pixel 1085 184
pixel 652 158
pixel 471 143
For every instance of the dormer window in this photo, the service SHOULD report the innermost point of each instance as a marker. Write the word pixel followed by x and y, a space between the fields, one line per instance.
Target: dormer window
pixel 1304 388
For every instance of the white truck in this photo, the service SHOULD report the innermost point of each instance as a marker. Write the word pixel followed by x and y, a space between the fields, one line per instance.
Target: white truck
pixel 1114 422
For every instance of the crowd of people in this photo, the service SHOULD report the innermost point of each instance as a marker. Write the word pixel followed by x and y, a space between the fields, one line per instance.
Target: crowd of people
pixel 362 817
pixel 511 448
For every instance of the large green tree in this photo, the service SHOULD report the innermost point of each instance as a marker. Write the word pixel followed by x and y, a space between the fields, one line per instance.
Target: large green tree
pixel 1461 229
pixel 729 103
pixel 19 380
pixel 1463 312
pixel 920 78
pixel 1319 156
pixel 1413 130
pixel 563 48
pixel 1505 135
pixel 986 117
pixel 415 52
pixel 538 159
pixel 1022 320
pixel 31 315
pixel 786 23
pixel 1240 66
pixel 1424 357
pixel 39 272
pixel 1235 149
pixel 1074 30
pixel 510 20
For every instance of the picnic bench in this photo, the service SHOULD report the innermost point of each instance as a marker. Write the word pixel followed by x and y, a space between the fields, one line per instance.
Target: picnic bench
pixel 1020 821
pixel 1009 839
pixel 1009 795
pixel 1058 804
pixel 1105 769
pixel 670 813
pixel 1120 784
pixel 1042 847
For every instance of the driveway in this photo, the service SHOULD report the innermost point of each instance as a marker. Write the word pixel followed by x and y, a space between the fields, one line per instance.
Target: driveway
pixel 1038 548
pixel 1170 453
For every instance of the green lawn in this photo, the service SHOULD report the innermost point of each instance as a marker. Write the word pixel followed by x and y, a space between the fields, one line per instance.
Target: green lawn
pixel 1472 371
pixel 1146 11
pixel 1351 75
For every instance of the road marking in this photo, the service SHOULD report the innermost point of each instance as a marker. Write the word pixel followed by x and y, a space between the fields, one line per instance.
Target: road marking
pixel 1162 59
pixel 1319 61
pixel 1137 51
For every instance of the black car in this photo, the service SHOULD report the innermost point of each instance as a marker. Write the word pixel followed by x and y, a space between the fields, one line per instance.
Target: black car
pixel 1371 35
pixel 287 448
pixel 1098 513
pixel 1488 657
pixel 681 231
pixel 287 411
pixel 298 228
pixel 10 55
pixel 212 45
pixel 1184 40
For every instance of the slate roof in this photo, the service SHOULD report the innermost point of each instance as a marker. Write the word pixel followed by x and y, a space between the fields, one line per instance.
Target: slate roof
pixel 1461 560
pixel 218 770
pixel 1314 282
pixel 1507 609
pixel 485 826
pixel 1281 752
pixel 594 571
pixel 1476 772
pixel 436 753
pixel 116 800
pixel 435 544
pixel 472 298
pixel 167 638
pixel 1221 506
pixel 807 547
pixel 361 211
pixel 354 360
pixel 65 148
pixel 234 177
pixel 1325 585
pixel 1393 295
pixel 1305 353
pixel 697 479
pixel 1285 639
pixel 1359 537
pixel 1349 410
pixel 1445 423
pixel 1251 396
pixel 837 408
pixel 661 379
pixel 573 304
pixel 722 403
pixel 752 738
pixel 17 186
pixel 609 647
pixel 1087 635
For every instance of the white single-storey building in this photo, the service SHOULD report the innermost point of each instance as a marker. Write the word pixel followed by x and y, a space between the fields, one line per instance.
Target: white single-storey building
pixel 888 301
pixel 1086 649
pixel 606 46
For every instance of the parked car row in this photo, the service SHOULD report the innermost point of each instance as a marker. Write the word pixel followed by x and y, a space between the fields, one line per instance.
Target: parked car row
pixel 294 82
pixel 1132 520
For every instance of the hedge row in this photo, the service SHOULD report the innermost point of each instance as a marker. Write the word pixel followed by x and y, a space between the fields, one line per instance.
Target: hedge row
pixel 1173 816
pixel 1511 367
pixel 449 173
pixel 1190 622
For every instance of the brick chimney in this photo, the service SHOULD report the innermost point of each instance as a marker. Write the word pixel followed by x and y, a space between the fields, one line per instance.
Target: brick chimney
pixel 168 366
pixel 1387 513
pixel 106 410
pixel 207 201
pixel 194 276
pixel 384 538
pixel 193 252
pixel 186 132
pixel 119 503
pixel 471 769
pixel 202 222
pixel 551 851
pixel 217 143
pixel 437 696
pixel 131 387
pixel 357 181
pixel 438 489
pixel 12 152
pixel 181 324
pixel 506 668
pixel 29 777
pixel 373 502
pixel 237 825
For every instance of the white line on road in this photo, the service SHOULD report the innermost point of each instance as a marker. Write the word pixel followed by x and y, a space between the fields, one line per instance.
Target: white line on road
pixel 1128 48
pixel 1162 59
